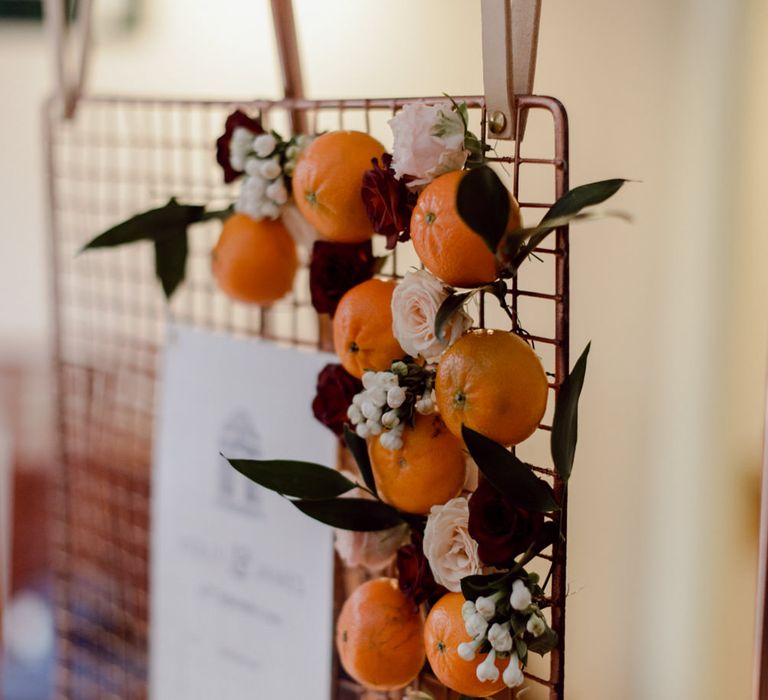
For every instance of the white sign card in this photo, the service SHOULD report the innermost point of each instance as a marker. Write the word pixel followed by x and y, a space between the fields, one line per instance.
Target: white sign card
pixel 241 581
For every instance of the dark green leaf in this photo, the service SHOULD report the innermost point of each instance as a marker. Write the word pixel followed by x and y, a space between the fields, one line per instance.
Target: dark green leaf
pixel 292 478
pixel 359 449
pixel 149 225
pixel 485 584
pixel 521 648
pixel 564 209
pixel 358 514
pixel 565 423
pixel 482 201
pixel 584 196
pixel 508 474
pixel 544 643
pixel 448 309
pixel 171 259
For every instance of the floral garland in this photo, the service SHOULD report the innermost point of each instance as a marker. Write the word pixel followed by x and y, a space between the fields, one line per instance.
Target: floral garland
pixel 477 538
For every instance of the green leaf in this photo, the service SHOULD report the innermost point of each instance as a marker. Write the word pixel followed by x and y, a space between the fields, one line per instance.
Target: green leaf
pixel 584 196
pixel 544 643
pixel 568 207
pixel 508 474
pixel 291 478
pixel 483 203
pixel 359 514
pixel 359 449
pixel 565 423
pixel 149 225
pixel 472 587
pixel 448 309
pixel 522 649
pixel 171 259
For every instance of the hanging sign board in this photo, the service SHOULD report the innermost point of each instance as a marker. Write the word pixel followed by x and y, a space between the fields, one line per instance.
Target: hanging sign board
pixel 241 582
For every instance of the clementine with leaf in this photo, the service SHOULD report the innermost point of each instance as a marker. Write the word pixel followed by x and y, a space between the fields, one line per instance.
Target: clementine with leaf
pixel 491 381
pixel 449 248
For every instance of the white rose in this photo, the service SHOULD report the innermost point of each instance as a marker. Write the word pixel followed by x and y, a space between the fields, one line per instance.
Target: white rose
pixel 415 303
pixel 428 141
pixel 448 547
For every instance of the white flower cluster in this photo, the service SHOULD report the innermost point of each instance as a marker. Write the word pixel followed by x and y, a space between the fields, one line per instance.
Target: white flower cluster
pixel 263 191
pixel 477 617
pixel 376 409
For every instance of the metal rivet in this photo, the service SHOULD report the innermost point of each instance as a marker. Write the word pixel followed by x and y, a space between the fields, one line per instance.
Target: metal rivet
pixel 497 122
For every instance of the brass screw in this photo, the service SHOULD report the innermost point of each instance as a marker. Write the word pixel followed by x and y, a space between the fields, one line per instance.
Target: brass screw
pixel 498 122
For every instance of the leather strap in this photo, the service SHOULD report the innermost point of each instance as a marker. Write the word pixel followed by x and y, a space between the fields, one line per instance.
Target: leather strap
pixel 510 40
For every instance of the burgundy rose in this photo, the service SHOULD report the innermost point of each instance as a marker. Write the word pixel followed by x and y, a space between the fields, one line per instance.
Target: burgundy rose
pixel 237 118
pixel 335 389
pixel 413 573
pixel 336 268
pixel 501 529
pixel 388 201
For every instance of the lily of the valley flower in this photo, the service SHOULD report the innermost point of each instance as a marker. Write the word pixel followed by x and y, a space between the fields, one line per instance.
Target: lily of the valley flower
pixel 467 609
pixel 499 637
pixel 536 625
pixel 521 598
pixel 476 625
pixel 513 676
pixel 468 650
pixel 487 671
pixel 486 605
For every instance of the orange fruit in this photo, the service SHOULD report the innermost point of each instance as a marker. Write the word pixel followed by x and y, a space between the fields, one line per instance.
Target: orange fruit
pixel 379 636
pixel 362 328
pixel 327 184
pixel 443 632
pixel 428 470
pixel 254 261
pixel 492 382
pixel 449 248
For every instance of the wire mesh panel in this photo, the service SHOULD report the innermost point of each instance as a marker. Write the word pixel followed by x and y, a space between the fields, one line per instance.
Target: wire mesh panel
pixel 121 156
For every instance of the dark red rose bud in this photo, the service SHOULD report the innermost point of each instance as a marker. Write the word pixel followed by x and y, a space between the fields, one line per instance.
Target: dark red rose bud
pixel 335 389
pixel 413 573
pixel 388 202
pixel 501 529
pixel 335 268
pixel 237 118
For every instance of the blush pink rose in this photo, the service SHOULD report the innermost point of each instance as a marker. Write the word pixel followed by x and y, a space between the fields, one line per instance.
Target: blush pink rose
pixel 428 141
pixel 448 546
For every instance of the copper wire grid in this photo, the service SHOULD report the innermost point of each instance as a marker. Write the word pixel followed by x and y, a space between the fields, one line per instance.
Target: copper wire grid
pixel 120 156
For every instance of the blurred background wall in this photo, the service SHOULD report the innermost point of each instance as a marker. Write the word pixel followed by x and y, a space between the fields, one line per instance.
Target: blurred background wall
pixel 663 529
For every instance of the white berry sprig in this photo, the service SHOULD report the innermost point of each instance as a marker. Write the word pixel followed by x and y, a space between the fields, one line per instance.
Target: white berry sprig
pixel 389 400
pixel 268 161
pixel 506 625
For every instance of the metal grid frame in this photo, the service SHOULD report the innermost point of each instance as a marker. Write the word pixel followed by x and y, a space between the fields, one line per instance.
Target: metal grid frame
pixel 123 155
